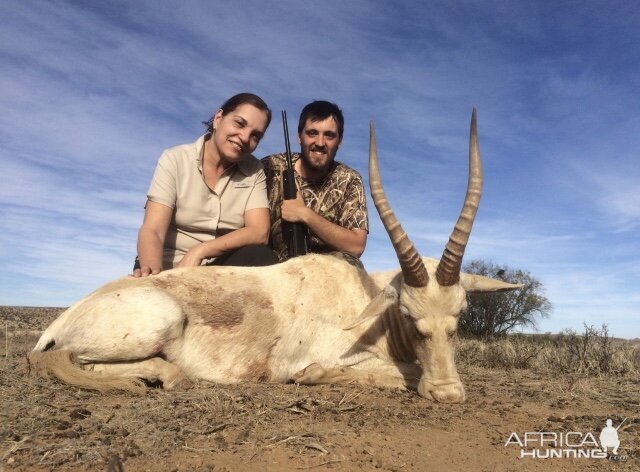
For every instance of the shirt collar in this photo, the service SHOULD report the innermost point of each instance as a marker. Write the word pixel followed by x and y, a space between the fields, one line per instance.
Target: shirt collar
pixel 199 148
pixel 244 166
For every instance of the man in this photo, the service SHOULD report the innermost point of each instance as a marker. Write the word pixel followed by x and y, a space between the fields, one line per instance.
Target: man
pixel 331 201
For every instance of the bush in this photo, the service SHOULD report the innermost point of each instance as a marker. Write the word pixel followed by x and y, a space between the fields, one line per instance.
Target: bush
pixel 593 352
pixel 491 315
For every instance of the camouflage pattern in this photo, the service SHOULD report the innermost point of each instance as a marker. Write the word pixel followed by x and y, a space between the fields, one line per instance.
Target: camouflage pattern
pixel 339 198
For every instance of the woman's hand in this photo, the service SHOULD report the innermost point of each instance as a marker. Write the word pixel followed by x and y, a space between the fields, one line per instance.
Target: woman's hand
pixel 193 257
pixel 151 238
pixel 255 231
pixel 146 270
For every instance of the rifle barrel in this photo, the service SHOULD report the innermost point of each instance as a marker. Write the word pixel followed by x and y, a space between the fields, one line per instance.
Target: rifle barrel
pixel 294 233
pixel 286 138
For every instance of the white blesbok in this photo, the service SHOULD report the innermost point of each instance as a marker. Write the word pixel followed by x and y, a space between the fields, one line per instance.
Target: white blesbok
pixel 313 319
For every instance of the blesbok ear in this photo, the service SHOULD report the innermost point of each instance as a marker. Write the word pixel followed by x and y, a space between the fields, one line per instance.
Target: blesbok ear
pixel 473 283
pixel 377 306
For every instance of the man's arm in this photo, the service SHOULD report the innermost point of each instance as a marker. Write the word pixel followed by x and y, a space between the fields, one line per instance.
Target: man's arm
pixel 352 241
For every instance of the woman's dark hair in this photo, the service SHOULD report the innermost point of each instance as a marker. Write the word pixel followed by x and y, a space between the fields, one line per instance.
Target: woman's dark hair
pixel 320 110
pixel 237 100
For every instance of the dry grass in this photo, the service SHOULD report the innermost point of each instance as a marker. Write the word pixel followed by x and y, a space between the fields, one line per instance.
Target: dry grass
pixel 591 353
pixel 46 425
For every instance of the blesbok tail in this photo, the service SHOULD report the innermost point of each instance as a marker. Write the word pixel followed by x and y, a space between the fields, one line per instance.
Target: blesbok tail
pixel 61 365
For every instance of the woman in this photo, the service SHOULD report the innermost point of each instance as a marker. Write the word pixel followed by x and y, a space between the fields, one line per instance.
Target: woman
pixel 207 202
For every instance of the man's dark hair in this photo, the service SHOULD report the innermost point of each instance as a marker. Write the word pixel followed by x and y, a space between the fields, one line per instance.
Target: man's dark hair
pixel 237 100
pixel 320 110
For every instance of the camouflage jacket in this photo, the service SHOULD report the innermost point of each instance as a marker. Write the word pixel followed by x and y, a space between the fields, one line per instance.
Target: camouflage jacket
pixel 339 198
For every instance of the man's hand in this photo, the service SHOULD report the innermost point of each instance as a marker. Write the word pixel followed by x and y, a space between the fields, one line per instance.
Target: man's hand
pixel 295 211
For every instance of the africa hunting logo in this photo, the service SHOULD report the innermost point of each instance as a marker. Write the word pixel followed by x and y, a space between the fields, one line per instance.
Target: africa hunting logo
pixel 571 444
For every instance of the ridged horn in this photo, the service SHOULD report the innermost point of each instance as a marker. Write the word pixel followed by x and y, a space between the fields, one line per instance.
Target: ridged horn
pixel 448 272
pixel 413 269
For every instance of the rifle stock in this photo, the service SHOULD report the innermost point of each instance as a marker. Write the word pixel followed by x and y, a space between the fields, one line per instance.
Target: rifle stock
pixel 294 233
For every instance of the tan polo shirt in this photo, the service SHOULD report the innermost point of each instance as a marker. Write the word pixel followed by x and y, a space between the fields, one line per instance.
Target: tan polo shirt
pixel 199 213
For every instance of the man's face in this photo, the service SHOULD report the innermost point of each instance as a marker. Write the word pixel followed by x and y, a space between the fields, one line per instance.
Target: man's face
pixel 319 142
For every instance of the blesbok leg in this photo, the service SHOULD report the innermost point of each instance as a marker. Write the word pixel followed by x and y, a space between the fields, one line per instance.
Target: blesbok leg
pixel 394 375
pixel 152 370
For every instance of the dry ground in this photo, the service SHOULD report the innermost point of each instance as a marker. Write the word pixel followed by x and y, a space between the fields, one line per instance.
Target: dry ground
pixel 49 426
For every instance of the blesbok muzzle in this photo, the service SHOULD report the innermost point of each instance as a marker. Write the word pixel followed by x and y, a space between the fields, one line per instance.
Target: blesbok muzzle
pixel 445 392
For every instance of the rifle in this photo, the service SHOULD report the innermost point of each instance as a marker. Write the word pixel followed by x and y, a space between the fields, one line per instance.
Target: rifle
pixel 621 424
pixel 294 233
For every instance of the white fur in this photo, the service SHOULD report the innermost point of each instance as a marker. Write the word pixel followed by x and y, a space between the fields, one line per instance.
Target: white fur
pixel 228 324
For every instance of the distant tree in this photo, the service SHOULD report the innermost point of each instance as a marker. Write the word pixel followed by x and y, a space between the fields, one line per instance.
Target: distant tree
pixel 491 315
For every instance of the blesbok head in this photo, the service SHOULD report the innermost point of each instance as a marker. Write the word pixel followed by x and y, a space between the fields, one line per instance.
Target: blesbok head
pixel 431 296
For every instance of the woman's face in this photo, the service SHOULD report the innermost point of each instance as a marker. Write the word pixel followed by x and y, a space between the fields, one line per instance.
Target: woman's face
pixel 238 132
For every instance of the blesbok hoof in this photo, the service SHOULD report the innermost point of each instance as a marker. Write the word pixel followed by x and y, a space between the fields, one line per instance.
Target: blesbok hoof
pixel 179 383
pixel 309 375
pixel 451 393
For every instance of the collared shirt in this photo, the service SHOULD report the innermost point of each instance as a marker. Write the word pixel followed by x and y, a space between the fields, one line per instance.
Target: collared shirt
pixel 199 213
pixel 338 197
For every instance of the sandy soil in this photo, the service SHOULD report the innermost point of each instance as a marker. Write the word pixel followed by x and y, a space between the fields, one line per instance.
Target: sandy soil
pixel 49 426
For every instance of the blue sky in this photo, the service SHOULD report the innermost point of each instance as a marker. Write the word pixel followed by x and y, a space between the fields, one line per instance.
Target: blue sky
pixel 92 92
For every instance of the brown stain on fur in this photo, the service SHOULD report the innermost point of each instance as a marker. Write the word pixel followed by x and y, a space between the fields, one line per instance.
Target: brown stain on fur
pixel 229 308
pixel 235 308
pixel 295 272
pixel 218 302
pixel 258 369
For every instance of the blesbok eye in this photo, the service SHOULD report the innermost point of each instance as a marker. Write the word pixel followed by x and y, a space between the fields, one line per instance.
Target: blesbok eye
pixel 424 336
pixel 451 334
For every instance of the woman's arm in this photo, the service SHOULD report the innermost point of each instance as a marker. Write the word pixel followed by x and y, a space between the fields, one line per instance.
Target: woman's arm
pixel 151 238
pixel 255 231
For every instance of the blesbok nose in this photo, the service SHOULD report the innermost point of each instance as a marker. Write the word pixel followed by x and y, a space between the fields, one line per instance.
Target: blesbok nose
pixel 447 393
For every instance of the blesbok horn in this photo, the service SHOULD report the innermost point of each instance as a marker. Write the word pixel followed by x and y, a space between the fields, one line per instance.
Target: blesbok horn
pixel 413 269
pixel 448 272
